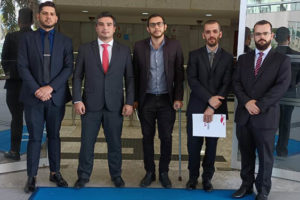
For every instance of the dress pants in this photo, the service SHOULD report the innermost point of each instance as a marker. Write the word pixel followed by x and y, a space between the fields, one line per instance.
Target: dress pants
pixel 36 116
pixel 284 129
pixel 252 139
pixel 112 125
pixel 16 109
pixel 194 145
pixel 157 108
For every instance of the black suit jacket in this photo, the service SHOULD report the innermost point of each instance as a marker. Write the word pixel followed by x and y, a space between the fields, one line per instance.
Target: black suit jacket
pixel 9 59
pixel 266 88
pixel 173 66
pixel 30 67
pixel 103 89
pixel 206 81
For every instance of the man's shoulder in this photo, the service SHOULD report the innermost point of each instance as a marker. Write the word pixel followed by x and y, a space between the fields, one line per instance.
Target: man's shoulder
pixel 62 36
pixel 142 43
pixel 226 53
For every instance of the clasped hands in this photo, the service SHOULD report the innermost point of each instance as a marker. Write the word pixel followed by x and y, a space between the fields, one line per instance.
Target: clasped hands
pixel 215 103
pixel 252 107
pixel 44 93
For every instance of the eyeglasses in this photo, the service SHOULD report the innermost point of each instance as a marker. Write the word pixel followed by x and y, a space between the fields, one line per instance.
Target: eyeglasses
pixel 159 24
pixel 260 34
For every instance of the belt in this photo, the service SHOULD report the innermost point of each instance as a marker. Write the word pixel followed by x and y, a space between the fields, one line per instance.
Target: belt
pixel 157 95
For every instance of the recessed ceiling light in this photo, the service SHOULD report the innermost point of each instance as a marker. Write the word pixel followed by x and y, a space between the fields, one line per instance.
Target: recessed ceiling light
pixel 145 13
pixel 84 11
pixel 208 15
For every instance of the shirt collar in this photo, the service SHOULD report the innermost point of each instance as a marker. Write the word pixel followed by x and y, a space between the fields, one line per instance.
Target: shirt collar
pixel 162 44
pixel 109 43
pixel 42 31
pixel 209 51
pixel 265 51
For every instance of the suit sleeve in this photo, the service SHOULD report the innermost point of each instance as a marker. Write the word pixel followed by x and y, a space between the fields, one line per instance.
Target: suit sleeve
pixel 179 74
pixel 238 88
pixel 24 68
pixel 136 73
pixel 129 79
pixel 78 76
pixel 226 81
pixel 273 95
pixel 5 55
pixel 195 85
pixel 61 79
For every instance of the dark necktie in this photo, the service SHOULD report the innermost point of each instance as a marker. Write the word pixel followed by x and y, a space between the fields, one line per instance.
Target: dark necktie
pixel 105 59
pixel 211 58
pixel 258 63
pixel 47 58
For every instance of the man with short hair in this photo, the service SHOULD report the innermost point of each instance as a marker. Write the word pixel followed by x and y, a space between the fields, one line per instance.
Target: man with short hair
pixel 159 74
pixel 209 77
pixel 260 80
pixel 14 83
pixel 102 64
pixel 45 62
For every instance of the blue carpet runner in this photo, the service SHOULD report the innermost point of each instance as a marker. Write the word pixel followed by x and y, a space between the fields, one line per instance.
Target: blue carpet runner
pixel 51 193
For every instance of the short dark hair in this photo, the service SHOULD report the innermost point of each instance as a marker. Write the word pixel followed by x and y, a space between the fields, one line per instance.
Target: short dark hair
pixel 262 22
pixel 212 21
pixel 107 14
pixel 47 3
pixel 25 16
pixel 282 34
pixel 155 15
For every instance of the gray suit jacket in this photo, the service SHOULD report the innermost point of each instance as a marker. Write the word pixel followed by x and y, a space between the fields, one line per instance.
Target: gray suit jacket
pixel 103 89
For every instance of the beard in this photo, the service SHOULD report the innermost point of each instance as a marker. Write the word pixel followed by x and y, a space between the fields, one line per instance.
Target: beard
pixel 264 46
pixel 46 26
pixel 212 44
pixel 157 36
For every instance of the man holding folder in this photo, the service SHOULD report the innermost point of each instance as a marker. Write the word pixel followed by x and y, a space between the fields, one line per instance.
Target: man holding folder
pixel 209 76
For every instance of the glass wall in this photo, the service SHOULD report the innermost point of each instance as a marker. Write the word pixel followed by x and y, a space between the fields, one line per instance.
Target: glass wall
pixel 285 18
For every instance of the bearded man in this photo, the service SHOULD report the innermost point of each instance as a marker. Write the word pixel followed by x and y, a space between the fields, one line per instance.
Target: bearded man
pixel 159 75
pixel 209 77
pixel 260 80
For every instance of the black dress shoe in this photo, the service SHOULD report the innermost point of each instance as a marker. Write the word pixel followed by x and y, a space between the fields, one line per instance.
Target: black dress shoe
pixel 191 184
pixel 80 183
pixel 58 179
pixel 118 181
pixel 207 186
pixel 164 180
pixel 261 196
pixel 12 155
pixel 148 179
pixel 30 185
pixel 242 192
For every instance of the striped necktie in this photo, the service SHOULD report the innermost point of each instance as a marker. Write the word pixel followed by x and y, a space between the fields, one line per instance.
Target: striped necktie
pixel 258 63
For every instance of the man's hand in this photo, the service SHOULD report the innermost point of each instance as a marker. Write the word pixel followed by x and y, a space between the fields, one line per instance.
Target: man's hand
pixel 44 93
pixel 135 105
pixel 215 101
pixel 79 108
pixel 127 110
pixel 177 105
pixel 208 115
pixel 252 107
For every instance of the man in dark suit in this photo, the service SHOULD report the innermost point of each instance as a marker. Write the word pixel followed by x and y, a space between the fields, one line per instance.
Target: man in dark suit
pixel 260 80
pixel 282 37
pixel 102 64
pixel 209 77
pixel 13 84
pixel 45 62
pixel 159 74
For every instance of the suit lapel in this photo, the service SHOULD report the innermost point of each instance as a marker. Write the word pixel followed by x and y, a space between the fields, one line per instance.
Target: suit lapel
pixel 216 59
pixel 266 63
pixel 251 61
pixel 38 43
pixel 165 54
pixel 147 57
pixel 54 53
pixel 114 56
pixel 96 51
pixel 205 59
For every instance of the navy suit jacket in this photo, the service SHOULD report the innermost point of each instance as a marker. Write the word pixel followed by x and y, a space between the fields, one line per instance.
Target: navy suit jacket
pixel 206 81
pixel 103 89
pixel 30 67
pixel 270 84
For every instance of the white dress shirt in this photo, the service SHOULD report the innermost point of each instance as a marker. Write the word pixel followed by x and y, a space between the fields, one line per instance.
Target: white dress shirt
pixel 109 48
pixel 263 57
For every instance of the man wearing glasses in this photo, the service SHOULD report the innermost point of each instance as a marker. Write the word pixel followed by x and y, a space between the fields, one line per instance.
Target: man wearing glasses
pixel 260 80
pixel 159 74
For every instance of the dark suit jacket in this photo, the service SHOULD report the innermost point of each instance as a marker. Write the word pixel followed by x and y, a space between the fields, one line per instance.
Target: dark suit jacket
pixel 9 59
pixel 30 66
pixel 267 88
pixel 173 66
pixel 103 89
pixel 206 81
